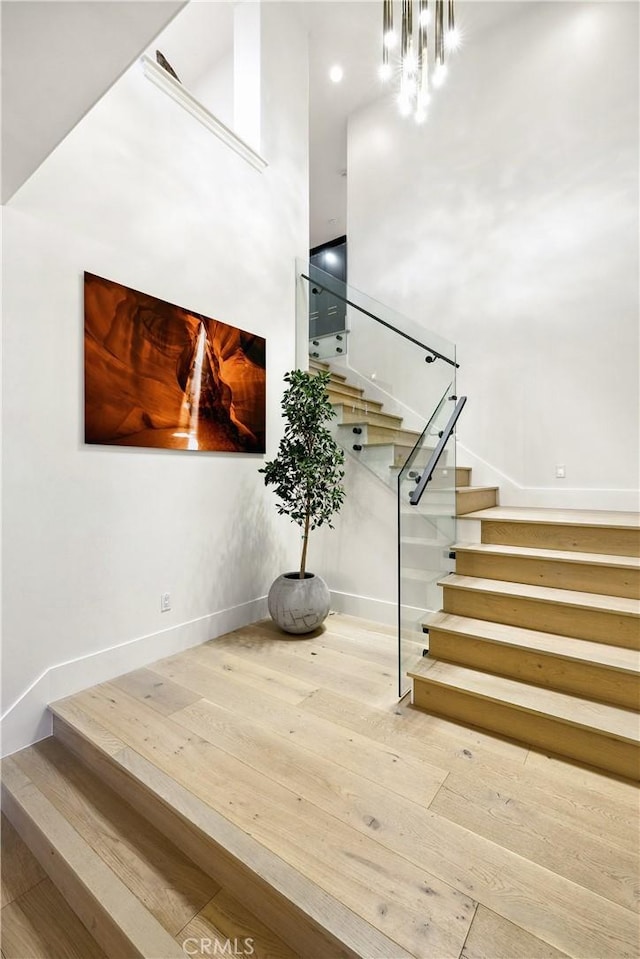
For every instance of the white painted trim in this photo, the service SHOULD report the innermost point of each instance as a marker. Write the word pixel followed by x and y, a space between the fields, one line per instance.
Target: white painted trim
pixel 383 611
pixel 513 493
pixel 378 610
pixel 165 82
pixel 27 720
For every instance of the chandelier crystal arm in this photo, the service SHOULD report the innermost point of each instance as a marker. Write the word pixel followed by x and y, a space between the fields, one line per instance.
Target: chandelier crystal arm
pixel 418 70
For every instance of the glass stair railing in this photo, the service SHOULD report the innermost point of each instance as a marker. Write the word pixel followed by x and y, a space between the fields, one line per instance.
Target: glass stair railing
pixel 393 386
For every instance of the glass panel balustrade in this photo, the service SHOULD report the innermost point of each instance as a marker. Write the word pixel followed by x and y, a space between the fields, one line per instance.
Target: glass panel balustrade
pixel 390 374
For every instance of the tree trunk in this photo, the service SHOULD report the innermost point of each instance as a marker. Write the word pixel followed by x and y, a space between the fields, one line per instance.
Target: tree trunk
pixel 305 541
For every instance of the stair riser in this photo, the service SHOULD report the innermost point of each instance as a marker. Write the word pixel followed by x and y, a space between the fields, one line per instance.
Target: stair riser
pixel 339 388
pixel 377 435
pixel 583 539
pixel 597 625
pixel 586 578
pixel 346 415
pixel 590 680
pixel 353 403
pixel 534 729
pixel 442 479
pixel 266 902
pixel 468 502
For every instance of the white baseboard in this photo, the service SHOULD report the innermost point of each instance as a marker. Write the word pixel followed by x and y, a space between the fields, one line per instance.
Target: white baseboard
pixel 377 610
pixel 28 719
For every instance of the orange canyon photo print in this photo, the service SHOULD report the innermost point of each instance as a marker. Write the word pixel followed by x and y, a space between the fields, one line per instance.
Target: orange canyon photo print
pixel 158 375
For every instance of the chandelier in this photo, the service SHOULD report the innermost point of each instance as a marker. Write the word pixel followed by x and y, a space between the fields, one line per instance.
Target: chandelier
pixel 418 71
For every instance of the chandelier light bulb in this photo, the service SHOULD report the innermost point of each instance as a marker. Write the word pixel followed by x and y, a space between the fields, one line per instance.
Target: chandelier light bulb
pixel 426 33
pixel 390 39
pixel 452 40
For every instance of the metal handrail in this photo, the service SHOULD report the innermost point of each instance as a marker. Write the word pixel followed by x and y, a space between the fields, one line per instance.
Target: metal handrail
pixel 416 494
pixel 434 353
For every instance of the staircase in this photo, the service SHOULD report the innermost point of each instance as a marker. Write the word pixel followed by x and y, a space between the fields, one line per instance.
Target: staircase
pixel 381 442
pixel 539 635
pixel 134 890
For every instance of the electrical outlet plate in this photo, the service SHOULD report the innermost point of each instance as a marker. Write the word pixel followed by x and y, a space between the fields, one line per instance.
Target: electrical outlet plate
pixel 165 602
pixel 560 472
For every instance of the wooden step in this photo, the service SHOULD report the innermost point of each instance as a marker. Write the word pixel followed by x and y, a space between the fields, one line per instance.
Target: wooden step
pixel 176 892
pixel 36 921
pixel 612 620
pixel 472 498
pixel 562 569
pixel 115 916
pixel 341 389
pixel 353 403
pixel 608 674
pixel 374 435
pixel 587 531
pixel 347 415
pixel 310 920
pixel 600 735
pixel 320 366
pixel 444 478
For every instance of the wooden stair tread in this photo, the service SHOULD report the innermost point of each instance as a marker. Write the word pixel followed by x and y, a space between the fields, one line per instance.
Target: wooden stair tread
pixel 343 388
pixel 612 721
pixel 546 594
pixel 385 435
pixel 533 552
pixel 123 839
pixel 475 489
pixel 522 514
pixel 353 417
pixel 325 368
pixel 355 404
pixel 118 920
pixel 613 657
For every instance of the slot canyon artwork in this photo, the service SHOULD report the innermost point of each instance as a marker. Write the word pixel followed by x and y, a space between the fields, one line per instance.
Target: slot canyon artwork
pixel 158 375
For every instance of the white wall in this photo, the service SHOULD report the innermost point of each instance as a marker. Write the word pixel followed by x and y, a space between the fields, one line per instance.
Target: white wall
pixel 508 223
pixel 141 193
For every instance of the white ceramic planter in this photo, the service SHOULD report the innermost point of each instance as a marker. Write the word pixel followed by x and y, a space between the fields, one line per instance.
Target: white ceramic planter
pixel 299 605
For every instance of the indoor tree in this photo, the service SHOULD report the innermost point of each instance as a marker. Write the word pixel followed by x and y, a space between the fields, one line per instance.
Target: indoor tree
pixel 307 472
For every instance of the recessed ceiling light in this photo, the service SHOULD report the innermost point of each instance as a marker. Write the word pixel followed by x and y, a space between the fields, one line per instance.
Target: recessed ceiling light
pixel 336 73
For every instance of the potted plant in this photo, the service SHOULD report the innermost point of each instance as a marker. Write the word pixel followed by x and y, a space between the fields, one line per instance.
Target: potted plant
pixel 307 475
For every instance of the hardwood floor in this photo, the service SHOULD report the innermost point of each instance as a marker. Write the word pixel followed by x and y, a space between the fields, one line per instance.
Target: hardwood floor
pixel 445 841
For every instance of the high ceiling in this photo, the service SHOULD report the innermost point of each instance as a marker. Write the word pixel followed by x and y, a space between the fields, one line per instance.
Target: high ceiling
pixel 74 72
pixel 349 33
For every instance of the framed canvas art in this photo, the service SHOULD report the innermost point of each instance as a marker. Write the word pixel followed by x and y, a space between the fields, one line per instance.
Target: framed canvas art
pixel 159 375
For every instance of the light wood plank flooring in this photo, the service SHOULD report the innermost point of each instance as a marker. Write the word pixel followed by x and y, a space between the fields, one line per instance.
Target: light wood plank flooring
pixel 449 841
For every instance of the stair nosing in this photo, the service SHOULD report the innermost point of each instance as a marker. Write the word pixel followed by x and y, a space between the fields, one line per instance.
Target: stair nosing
pixel 511 686
pixel 617 605
pixel 598 519
pixel 550 555
pixel 479 628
